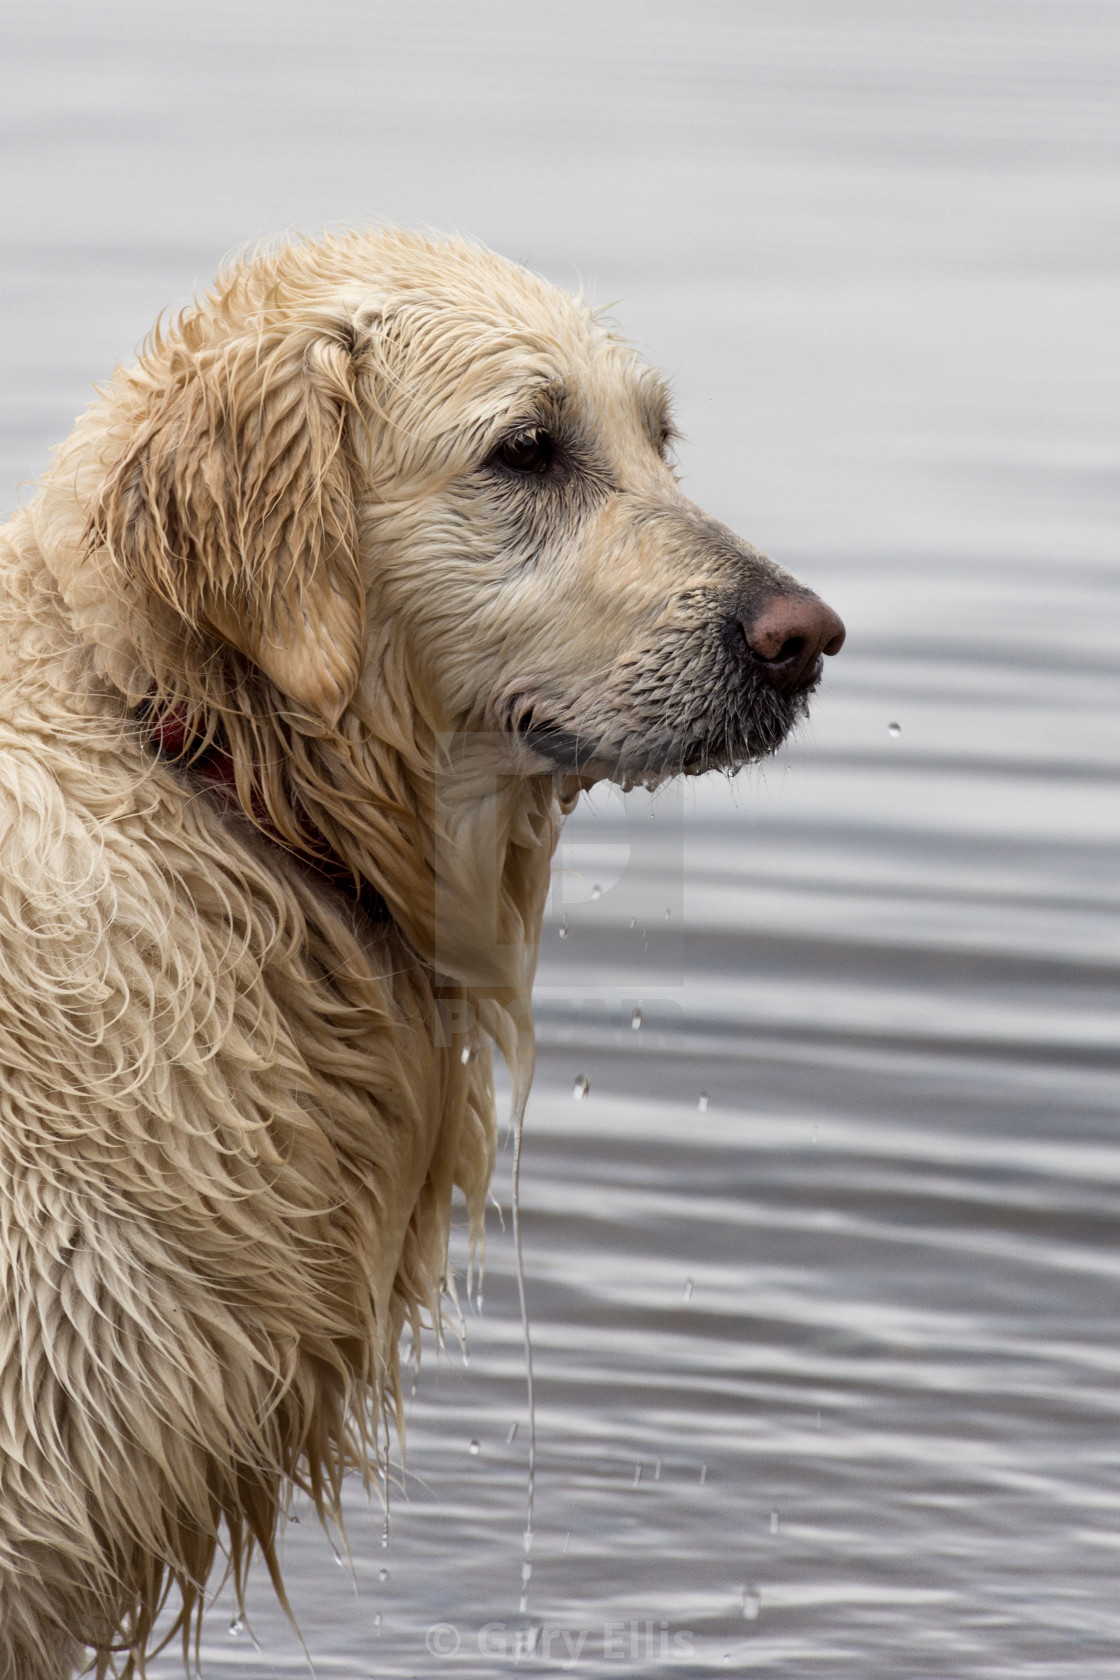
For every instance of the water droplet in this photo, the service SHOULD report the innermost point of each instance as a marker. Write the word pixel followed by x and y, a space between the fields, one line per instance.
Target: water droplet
pixel 751 1604
pixel 527 1541
pixel 657 1470
pixel 237 1627
pixel 475 1448
pixel 377 1620
pixel 526 1572
pixel 688 1287
pixel 567 1540
pixel 525 1633
pixel 636 1019
pixel 382 1574
pixel 512 1436
pixel 581 1087
pixel 596 891
pixel 773 1522
pixel 293 1517
pixel 465 1054
pixel 562 930
pixel 894 729
pixel 633 921
pixel 668 913
pixel 703 1474
pixel 637 1474
pixel 702 1105
pixel 818 1420
pixel 816 1134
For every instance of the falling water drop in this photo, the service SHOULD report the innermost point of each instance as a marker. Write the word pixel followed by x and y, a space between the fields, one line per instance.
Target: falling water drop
pixel 636 1019
pixel 637 1474
pixel 703 1474
pixel 702 1105
pixel 526 1572
pixel 237 1627
pixel 512 1436
pixel 465 1054
pixel 475 1448
pixel 596 891
pixel 377 1620
pixel 894 729
pixel 562 930
pixel 773 1522
pixel 382 1574
pixel 567 1540
pixel 688 1287
pixel 524 1633
pixel 751 1604
pixel 633 921
pixel 581 1087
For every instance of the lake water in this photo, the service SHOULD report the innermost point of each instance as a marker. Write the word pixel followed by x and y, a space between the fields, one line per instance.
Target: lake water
pixel 824 1267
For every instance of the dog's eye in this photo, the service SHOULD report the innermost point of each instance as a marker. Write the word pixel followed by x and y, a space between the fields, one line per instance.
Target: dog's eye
pixel 531 451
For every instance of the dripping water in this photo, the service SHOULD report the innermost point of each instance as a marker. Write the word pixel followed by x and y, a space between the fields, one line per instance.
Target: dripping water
pixel 523 1081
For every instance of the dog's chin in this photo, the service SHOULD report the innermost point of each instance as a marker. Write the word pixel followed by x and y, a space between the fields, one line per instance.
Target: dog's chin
pixel 645 752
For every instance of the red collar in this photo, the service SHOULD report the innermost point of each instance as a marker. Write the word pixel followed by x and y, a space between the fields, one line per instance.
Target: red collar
pixel 212 765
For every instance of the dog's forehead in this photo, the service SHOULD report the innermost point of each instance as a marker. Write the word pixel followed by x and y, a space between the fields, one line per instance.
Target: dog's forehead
pixel 461 276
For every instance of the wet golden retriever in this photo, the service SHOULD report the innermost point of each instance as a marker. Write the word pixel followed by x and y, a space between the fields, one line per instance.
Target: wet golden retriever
pixel 314 629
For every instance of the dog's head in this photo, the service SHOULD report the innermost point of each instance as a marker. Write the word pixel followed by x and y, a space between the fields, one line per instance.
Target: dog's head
pixel 387 447
pixel 378 492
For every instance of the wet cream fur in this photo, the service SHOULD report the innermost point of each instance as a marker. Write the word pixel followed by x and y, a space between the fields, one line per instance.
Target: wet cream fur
pixel 233 1111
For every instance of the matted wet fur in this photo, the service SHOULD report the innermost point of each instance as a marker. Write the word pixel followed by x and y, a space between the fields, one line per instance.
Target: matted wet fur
pixel 316 626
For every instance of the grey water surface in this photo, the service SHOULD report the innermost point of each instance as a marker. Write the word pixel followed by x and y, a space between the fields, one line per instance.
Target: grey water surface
pixel 821 1174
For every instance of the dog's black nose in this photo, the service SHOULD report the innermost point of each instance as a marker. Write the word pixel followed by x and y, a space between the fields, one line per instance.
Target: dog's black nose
pixel 786 636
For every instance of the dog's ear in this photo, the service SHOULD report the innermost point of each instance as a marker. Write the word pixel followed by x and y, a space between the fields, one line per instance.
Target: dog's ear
pixel 234 505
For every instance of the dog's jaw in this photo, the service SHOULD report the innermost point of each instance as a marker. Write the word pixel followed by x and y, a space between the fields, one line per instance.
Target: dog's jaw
pixel 731 721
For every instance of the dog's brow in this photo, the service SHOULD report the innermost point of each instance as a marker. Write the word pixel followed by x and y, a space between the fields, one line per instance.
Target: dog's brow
pixel 530 402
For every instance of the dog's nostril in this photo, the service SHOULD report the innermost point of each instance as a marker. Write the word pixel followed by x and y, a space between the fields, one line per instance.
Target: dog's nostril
pixel 789 649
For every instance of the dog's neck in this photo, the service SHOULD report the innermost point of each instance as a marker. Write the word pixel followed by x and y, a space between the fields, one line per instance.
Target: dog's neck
pixel 208 764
